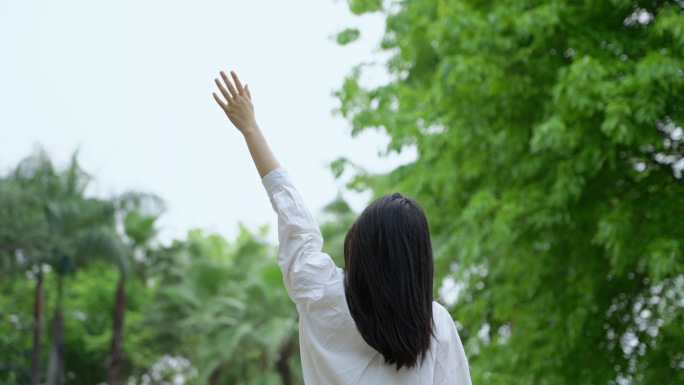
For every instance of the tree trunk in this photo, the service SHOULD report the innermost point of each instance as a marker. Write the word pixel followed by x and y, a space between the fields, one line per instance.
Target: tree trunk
pixel 116 358
pixel 55 371
pixel 215 376
pixel 56 365
pixel 37 328
pixel 281 365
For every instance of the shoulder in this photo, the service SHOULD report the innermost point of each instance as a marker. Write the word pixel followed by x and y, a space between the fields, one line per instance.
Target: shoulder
pixel 449 347
pixel 445 331
pixel 441 317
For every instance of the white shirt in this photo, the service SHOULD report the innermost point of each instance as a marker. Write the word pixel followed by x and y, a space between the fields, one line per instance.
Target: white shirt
pixel 331 347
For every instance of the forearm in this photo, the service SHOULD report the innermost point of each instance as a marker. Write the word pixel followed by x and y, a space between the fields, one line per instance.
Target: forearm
pixel 261 153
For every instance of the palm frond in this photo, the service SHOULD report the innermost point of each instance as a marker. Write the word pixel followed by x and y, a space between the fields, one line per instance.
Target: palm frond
pixel 139 228
pixel 75 180
pixel 103 243
pixel 145 203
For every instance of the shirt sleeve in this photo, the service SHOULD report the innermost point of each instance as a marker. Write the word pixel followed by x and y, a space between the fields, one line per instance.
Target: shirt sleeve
pixel 300 241
pixel 451 365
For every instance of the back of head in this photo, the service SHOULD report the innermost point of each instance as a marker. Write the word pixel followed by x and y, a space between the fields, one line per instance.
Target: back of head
pixel 389 273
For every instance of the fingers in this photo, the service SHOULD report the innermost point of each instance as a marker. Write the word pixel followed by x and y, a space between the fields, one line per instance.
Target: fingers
pixel 238 85
pixel 229 84
pixel 232 92
pixel 219 101
pixel 223 91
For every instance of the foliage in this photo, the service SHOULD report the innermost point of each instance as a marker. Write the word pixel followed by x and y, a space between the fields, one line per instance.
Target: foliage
pixel 88 325
pixel 550 143
pixel 23 226
pixel 227 311
pixel 337 218
pixel 16 321
pixel 51 232
pixel 347 36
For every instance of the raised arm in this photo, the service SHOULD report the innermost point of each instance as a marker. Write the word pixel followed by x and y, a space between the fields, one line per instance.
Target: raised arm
pixel 240 110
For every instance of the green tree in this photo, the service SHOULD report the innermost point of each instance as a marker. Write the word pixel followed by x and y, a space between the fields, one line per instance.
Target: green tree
pixel 89 325
pixel 16 329
pixel 139 214
pixel 71 230
pixel 225 308
pixel 549 141
pixel 83 227
pixel 24 241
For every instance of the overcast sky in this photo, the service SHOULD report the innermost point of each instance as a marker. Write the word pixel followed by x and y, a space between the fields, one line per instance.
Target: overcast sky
pixel 129 83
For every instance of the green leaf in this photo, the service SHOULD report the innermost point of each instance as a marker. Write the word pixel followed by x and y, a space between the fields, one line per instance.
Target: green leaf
pixel 359 7
pixel 347 36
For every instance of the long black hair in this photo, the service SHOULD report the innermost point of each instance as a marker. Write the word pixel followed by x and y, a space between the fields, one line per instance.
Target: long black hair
pixel 389 271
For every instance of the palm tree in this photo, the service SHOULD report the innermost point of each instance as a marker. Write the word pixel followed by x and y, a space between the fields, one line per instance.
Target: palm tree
pixel 34 181
pixel 139 212
pixel 51 221
pixel 87 228
pixel 78 228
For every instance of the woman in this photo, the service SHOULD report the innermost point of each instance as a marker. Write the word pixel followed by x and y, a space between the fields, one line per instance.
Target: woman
pixel 375 321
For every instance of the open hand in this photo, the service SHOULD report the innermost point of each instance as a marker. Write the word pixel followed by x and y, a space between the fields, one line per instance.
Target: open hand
pixel 238 105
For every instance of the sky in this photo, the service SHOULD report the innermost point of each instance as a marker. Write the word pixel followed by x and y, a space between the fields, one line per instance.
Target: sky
pixel 128 84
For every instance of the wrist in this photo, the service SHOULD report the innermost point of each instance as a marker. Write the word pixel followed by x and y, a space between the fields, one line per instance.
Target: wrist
pixel 250 130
